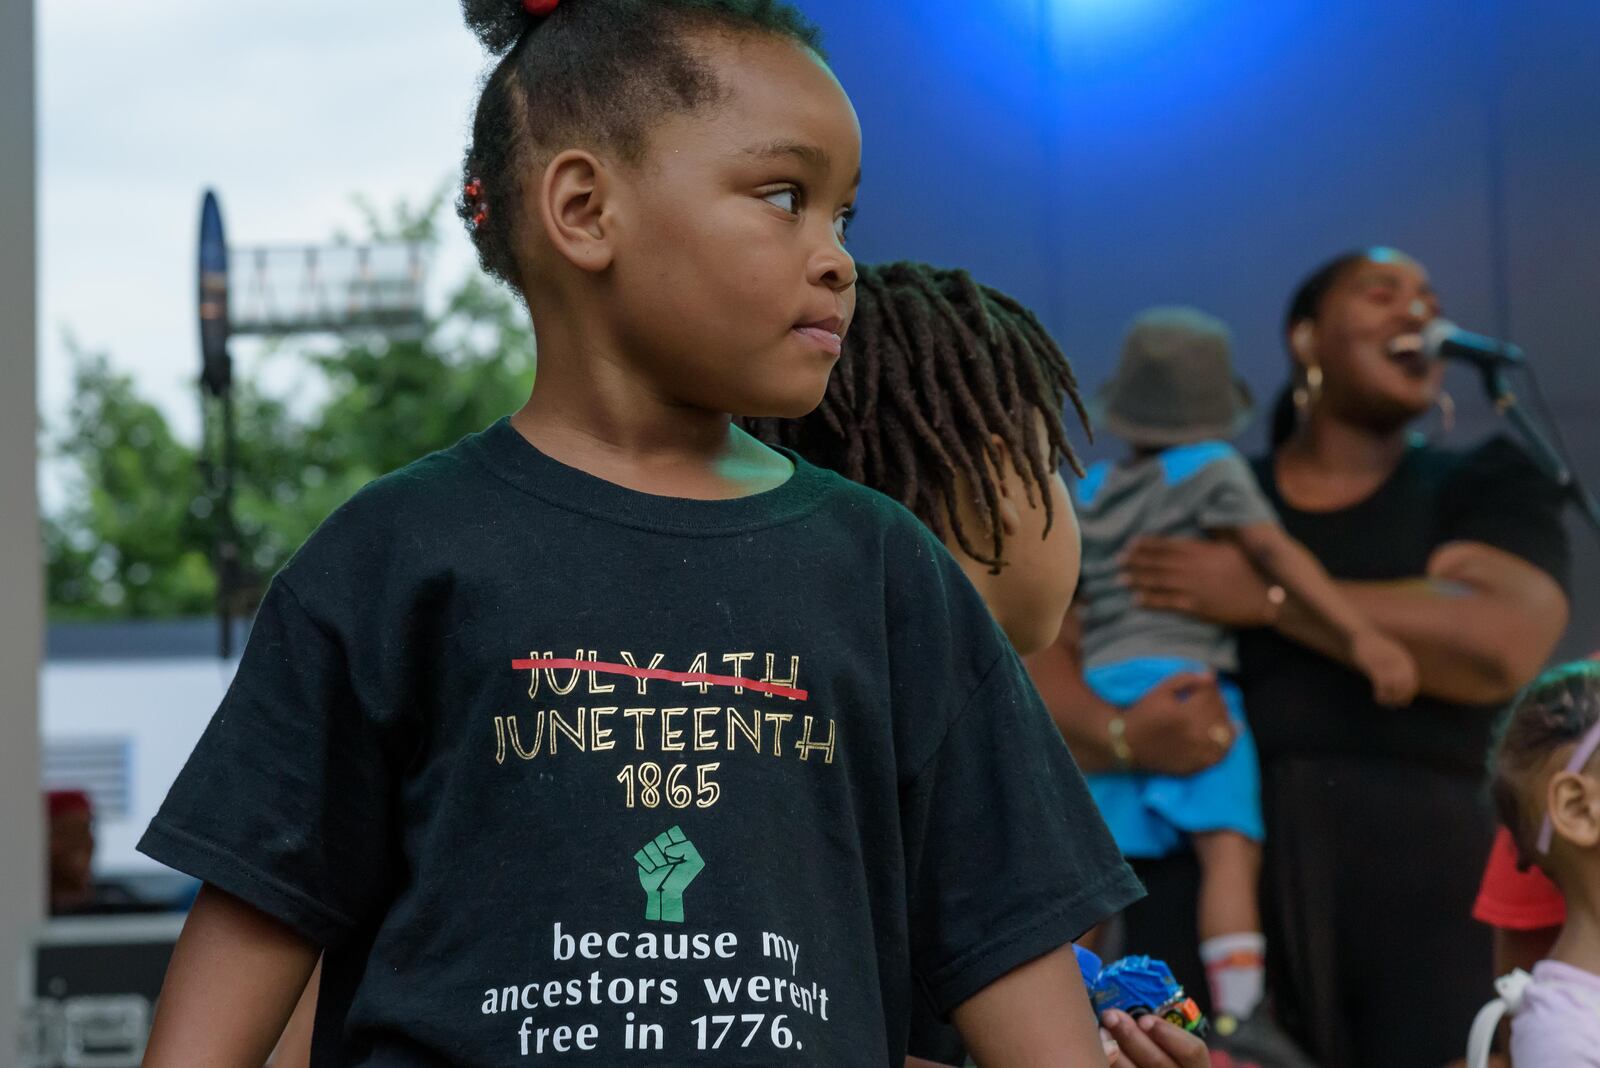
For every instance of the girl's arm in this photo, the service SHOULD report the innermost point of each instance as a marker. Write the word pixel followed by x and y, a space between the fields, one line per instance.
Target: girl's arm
pixel 1392 670
pixel 294 1048
pixel 1035 1016
pixel 234 979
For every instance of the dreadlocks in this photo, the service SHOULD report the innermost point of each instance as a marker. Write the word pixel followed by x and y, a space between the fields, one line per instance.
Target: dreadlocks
pixel 934 367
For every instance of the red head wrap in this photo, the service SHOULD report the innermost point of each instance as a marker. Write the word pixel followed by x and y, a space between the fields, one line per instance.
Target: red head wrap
pixel 62 802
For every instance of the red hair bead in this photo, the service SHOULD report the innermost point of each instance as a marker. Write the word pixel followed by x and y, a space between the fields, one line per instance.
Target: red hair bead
pixel 540 7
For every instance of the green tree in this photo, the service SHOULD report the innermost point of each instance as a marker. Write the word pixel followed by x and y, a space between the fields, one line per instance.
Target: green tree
pixel 131 540
pixel 134 538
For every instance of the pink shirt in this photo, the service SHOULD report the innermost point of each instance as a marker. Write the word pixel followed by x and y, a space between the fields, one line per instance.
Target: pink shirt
pixel 1558 1022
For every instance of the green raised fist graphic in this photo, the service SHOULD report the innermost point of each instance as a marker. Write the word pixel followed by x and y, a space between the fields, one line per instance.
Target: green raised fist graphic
pixel 666 868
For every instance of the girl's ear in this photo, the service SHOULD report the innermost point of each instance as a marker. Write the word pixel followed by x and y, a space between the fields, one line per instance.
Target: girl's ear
pixel 574 207
pixel 1573 801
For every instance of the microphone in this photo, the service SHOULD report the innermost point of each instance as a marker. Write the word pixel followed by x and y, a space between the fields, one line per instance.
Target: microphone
pixel 1442 339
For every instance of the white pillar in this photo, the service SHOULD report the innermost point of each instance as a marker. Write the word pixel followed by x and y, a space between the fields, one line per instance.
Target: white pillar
pixel 21 597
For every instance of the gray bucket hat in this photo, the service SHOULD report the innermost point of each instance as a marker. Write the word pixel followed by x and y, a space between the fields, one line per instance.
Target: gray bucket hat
pixel 1174 383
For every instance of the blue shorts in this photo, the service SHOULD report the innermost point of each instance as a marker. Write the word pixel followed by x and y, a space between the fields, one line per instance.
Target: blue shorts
pixel 1151 815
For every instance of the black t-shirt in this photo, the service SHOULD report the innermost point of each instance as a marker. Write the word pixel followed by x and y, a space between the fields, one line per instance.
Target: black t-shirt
pixel 556 769
pixel 1304 704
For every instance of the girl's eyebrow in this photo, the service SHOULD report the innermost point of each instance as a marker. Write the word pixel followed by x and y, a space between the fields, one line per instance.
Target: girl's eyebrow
pixel 812 156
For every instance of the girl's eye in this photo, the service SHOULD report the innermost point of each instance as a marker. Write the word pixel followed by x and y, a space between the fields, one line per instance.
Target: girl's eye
pixel 785 199
pixel 841 225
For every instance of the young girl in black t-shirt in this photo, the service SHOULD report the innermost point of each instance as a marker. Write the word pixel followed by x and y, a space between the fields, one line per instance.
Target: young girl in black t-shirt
pixel 613 857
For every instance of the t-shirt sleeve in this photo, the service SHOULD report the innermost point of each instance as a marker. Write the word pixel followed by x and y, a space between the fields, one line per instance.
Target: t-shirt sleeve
pixel 286 800
pixel 1228 496
pixel 1007 855
pixel 1499 497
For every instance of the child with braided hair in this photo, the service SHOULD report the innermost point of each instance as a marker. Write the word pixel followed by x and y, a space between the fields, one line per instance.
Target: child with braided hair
pixel 1547 794
pixel 611 735
pixel 949 398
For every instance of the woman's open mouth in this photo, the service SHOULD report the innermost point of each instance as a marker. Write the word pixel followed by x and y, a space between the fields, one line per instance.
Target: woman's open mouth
pixel 1407 351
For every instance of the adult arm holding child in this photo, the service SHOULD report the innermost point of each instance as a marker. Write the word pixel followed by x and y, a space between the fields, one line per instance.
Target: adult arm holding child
pixel 1478 622
pixel 1179 728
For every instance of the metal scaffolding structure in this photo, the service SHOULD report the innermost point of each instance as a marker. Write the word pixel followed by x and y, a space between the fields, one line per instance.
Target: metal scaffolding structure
pixel 280 291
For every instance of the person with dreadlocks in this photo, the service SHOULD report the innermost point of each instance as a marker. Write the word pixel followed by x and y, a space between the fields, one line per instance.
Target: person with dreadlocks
pixel 611 735
pixel 949 398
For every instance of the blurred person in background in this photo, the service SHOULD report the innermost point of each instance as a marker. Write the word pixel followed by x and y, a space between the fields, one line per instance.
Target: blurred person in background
pixel 69 835
pixel 1376 829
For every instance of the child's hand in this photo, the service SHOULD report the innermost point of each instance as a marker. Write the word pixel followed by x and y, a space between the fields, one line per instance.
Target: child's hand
pixel 1151 1042
pixel 1386 662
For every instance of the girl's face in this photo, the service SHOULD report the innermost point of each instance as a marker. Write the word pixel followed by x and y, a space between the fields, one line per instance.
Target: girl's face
pixel 1366 340
pixel 731 284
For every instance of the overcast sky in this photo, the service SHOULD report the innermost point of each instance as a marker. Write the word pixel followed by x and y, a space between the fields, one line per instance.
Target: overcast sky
pixel 287 109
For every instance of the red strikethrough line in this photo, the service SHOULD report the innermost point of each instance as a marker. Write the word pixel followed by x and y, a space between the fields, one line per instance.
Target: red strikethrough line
pixel 657 673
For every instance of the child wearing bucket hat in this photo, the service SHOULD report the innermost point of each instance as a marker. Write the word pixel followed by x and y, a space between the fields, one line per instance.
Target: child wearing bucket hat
pixel 1173 399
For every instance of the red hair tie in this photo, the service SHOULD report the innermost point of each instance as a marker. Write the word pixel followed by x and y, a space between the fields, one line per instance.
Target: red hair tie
pixel 540 7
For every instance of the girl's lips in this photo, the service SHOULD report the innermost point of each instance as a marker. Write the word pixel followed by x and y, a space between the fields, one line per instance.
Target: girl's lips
pixel 826 340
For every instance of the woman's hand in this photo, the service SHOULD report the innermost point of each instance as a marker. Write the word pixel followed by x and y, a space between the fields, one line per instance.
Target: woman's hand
pixel 1151 1042
pixel 1213 580
pixel 1180 727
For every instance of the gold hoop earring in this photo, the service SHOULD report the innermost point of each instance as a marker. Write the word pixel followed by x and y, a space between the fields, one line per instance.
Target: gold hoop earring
pixel 1308 391
pixel 1447 412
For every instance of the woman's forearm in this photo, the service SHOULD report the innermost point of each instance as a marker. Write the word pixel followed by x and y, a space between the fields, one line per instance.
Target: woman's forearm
pixel 1464 642
pixel 1480 625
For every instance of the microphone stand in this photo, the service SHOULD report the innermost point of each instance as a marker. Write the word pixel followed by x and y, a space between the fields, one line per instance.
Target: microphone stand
pixel 1545 454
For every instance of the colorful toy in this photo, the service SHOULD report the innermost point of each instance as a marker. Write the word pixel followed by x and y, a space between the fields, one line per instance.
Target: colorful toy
pixel 1139 987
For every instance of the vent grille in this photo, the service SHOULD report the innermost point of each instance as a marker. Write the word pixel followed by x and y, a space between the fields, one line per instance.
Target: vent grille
pixel 102 767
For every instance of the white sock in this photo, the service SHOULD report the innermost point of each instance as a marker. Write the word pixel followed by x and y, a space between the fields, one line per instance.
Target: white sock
pixel 1236 970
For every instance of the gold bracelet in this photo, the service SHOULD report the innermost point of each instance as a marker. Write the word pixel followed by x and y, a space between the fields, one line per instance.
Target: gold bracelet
pixel 1276 595
pixel 1117 731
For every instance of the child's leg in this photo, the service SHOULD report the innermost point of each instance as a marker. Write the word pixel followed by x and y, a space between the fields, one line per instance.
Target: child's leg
pixel 1231 943
pixel 1230 869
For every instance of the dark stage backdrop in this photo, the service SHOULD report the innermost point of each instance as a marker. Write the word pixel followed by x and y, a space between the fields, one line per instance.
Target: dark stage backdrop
pixel 1096 156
